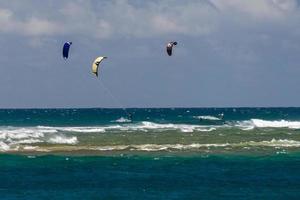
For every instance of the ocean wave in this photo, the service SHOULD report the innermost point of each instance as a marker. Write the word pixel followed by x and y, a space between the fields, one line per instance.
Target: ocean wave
pixel 276 124
pixel 260 123
pixel 182 127
pixel 80 129
pixel 67 135
pixel 144 126
pixel 207 117
pixel 147 125
pixel 13 137
pixel 122 120
pixel 60 139
pixel 20 133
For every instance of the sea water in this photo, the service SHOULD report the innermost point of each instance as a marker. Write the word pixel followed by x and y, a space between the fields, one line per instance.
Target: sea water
pixel 161 153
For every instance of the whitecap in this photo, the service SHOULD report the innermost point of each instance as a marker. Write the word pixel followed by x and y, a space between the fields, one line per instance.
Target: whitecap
pixel 276 124
pixel 27 141
pixel 4 146
pixel 82 129
pixel 207 117
pixel 60 139
pixel 122 120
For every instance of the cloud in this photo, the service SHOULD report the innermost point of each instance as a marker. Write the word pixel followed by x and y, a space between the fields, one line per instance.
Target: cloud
pixel 257 9
pixel 128 19
pixel 287 5
pixel 31 27
pixel 35 26
pixel 237 49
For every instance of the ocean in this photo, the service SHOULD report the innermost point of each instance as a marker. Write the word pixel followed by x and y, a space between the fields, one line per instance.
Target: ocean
pixel 150 153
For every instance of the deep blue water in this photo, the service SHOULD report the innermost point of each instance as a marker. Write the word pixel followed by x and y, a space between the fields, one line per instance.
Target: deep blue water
pixel 138 177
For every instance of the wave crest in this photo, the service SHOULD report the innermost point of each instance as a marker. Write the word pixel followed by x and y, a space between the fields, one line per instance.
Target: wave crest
pixel 207 117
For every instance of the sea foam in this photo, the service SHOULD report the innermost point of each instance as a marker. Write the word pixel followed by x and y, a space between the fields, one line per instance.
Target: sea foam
pixel 60 139
pixel 13 137
pixel 122 120
pixel 259 123
pixel 207 117
pixel 276 124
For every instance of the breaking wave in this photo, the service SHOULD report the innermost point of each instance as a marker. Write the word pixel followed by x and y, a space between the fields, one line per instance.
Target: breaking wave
pixel 60 139
pixel 207 117
pixel 13 137
pixel 259 123
pixel 122 120
pixel 144 126
pixel 276 124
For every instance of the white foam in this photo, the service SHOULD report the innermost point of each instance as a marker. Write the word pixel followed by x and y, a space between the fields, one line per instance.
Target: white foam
pixel 38 132
pixel 4 146
pixel 197 146
pixel 27 141
pixel 207 117
pixel 29 148
pixel 182 127
pixel 20 133
pixel 158 147
pixel 60 139
pixel 276 124
pixel 143 126
pixel 122 120
pixel 82 129
pixel 13 138
pixel 276 143
pixel 244 125
pixel 259 123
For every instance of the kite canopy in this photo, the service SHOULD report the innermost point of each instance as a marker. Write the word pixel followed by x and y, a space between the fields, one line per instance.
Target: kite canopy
pixel 169 47
pixel 96 64
pixel 66 49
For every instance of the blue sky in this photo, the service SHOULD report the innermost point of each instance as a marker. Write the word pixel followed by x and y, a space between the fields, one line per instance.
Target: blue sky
pixel 229 53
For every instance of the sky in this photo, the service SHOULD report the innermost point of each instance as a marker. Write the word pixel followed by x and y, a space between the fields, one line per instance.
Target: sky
pixel 230 53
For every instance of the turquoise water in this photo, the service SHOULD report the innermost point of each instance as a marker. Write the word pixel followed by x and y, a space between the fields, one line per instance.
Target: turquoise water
pixel 180 153
pixel 140 177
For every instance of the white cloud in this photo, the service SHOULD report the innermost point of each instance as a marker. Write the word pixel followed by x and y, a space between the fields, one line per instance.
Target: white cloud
pixel 122 18
pixel 287 5
pixel 5 20
pixel 37 27
pixel 260 9
pixel 32 27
